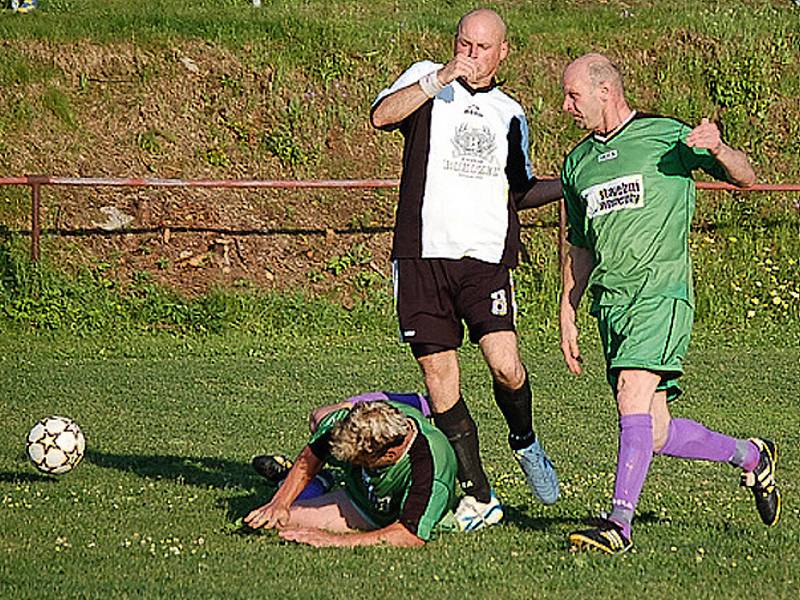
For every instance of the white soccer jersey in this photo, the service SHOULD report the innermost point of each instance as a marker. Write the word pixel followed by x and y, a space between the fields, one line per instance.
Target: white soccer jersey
pixel 465 162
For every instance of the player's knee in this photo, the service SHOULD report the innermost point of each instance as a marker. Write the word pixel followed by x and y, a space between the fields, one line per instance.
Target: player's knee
pixel 634 392
pixel 510 375
pixel 660 434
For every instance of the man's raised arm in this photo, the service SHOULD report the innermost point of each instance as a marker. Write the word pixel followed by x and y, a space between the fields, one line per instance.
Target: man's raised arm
pixel 735 162
pixel 395 107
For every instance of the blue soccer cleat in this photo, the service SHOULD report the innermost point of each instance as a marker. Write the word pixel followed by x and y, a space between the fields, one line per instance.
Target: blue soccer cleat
pixel 539 472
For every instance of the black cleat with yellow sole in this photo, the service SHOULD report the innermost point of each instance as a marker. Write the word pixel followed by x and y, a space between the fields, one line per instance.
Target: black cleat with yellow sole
pixel 273 467
pixel 607 537
pixel 762 481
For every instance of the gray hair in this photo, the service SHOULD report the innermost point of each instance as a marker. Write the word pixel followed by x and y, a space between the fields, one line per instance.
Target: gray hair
pixel 367 432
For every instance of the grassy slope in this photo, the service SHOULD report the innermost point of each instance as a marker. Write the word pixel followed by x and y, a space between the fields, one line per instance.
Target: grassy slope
pixel 171 425
pixel 99 88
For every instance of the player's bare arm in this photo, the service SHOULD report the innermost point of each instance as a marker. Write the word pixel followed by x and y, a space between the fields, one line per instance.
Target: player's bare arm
pixel 395 534
pixel 544 191
pixel 276 512
pixel 395 107
pixel 735 162
pixel 576 269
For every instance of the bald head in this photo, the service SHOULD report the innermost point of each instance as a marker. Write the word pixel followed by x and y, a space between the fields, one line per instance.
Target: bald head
pixel 485 18
pixel 593 93
pixel 480 45
pixel 598 70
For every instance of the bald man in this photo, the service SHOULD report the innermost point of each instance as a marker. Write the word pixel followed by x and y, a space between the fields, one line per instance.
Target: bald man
pixel 456 238
pixel 630 198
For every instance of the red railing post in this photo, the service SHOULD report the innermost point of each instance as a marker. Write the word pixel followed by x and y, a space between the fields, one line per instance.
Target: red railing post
pixel 36 229
pixel 36 182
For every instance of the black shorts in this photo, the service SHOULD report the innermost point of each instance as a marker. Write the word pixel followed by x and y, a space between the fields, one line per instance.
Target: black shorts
pixel 434 296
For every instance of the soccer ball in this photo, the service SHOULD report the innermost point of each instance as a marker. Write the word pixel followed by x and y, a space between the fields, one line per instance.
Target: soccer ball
pixel 55 445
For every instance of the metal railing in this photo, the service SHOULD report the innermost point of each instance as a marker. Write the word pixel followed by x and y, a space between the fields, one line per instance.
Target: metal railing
pixel 36 182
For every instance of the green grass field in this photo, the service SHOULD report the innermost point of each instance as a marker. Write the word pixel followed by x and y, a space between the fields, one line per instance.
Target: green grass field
pixel 154 510
pixel 176 394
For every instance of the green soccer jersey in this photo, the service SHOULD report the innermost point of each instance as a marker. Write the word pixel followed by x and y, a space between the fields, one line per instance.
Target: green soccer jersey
pixel 417 491
pixel 630 199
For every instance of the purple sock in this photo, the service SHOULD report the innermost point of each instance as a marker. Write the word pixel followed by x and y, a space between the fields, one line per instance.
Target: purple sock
pixel 633 461
pixel 690 439
pixel 317 486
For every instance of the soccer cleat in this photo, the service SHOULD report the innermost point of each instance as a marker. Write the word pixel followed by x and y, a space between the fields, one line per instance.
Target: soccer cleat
pixel 24 6
pixel 762 482
pixel 273 467
pixel 539 472
pixel 472 515
pixel 606 537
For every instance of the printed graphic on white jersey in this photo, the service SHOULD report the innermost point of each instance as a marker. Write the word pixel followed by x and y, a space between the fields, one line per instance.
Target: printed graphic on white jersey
pixel 473 152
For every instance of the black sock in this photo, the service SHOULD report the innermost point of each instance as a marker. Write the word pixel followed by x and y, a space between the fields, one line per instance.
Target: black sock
pixel 516 406
pixel 460 429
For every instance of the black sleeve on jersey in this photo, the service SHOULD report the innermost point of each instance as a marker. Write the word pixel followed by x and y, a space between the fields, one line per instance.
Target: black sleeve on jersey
pixel 419 495
pixel 321 447
pixel 416 129
pixel 516 172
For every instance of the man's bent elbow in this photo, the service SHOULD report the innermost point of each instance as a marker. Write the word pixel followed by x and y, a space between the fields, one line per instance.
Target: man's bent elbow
pixel 748 181
pixel 380 121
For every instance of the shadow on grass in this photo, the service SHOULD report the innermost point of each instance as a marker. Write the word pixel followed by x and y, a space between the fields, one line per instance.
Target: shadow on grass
pixel 236 509
pixel 520 517
pixel 217 473
pixel 20 477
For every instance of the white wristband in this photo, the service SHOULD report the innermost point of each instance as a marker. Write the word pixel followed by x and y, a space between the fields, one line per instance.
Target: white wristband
pixel 430 84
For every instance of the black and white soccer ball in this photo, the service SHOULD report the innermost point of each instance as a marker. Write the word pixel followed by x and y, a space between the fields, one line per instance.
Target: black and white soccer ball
pixel 56 445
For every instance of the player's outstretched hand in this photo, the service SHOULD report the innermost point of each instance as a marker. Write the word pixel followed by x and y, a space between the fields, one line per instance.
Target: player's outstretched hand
pixel 459 66
pixel 569 346
pixel 269 516
pixel 706 135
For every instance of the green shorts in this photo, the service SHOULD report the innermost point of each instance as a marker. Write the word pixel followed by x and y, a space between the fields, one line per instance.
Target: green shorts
pixel 651 334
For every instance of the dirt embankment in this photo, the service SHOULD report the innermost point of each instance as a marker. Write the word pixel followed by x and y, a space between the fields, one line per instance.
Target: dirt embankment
pixel 198 111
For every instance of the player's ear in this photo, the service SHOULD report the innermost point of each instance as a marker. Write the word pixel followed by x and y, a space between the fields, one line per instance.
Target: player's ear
pixel 604 91
pixel 504 48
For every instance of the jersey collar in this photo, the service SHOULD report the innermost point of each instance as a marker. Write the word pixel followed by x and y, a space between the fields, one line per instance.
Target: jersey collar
pixel 481 90
pixel 614 132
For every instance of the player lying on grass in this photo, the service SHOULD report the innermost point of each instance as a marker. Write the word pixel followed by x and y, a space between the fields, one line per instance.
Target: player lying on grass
pixel 399 479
